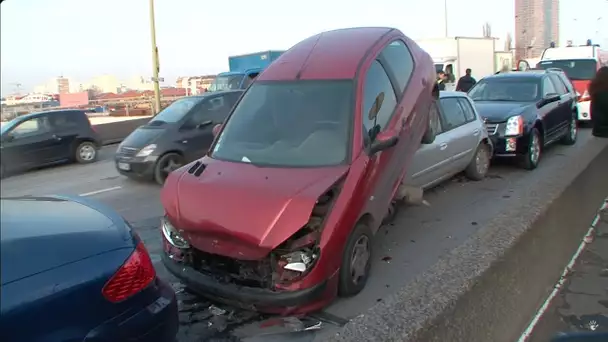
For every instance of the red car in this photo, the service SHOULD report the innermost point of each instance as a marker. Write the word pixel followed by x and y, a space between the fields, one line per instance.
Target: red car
pixel 280 214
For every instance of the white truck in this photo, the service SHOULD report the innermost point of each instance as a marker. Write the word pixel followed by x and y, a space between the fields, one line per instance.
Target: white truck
pixel 454 55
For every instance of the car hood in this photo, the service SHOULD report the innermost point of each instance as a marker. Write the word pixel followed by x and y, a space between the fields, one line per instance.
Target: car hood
pixel 241 210
pixel 143 136
pixel 42 233
pixel 499 111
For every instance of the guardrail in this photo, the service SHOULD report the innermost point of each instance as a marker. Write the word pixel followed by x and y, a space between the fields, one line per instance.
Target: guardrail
pixel 114 132
pixel 489 288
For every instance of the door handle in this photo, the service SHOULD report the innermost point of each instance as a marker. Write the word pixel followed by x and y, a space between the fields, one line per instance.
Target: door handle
pixel 443 146
pixel 56 137
pixel 476 132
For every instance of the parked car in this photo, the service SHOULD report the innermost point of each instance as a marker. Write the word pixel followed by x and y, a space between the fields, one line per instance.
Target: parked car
pixel 73 270
pixel 280 214
pixel 525 111
pixel 40 139
pixel 461 144
pixel 180 133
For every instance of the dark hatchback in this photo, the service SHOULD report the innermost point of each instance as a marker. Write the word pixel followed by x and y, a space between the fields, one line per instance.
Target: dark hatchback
pixel 44 138
pixel 524 111
pixel 73 270
pixel 176 136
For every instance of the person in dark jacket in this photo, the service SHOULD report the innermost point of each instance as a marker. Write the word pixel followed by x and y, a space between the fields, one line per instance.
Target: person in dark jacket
pixel 598 89
pixel 441 80
pixel 466 82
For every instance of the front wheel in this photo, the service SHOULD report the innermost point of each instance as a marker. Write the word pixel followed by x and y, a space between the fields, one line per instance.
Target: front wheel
pixel 165 165
pixel 356 261
pixel 532 156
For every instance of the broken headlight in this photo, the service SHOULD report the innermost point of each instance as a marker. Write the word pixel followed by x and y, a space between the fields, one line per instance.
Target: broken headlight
pixel 172 235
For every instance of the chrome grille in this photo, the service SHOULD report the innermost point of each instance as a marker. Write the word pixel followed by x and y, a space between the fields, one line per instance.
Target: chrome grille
pixel 491 128
pixel 127 152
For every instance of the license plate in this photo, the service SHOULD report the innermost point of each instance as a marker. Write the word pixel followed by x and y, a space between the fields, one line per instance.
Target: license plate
pixel 124 166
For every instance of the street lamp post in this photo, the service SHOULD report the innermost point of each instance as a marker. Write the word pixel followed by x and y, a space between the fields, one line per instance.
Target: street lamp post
pixel 155 65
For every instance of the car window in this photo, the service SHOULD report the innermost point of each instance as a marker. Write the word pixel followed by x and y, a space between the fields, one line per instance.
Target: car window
pixel 435 118
pixel 506 89
pixel 212 110
pixel 548 87
pixel 31 127
pixel 65 120
pixel 469 112
pixel 399 61
pixel 376 82
pixel 288 123
pixel 177 110
pixel 558 84
pixel 566 82
pixel 453 114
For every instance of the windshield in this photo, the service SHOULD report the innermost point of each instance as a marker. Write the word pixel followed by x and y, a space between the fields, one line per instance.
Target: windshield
pixel 575 69
pixel 176 111
pixel 301 123
pixel 513 89
pixel 226 82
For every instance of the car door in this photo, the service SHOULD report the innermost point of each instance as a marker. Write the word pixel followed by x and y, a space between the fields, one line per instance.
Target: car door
pixel 458 134
pixel 566 101
pixel 65 127
pixel 550 111
pixel 29 144
pixel 430 160
pixel 196 134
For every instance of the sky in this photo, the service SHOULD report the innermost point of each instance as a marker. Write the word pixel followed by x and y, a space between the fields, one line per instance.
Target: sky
pixel 80 39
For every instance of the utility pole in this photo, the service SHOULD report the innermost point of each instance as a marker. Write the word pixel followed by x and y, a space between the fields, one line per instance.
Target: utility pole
pixel 445 17
pixel 155 65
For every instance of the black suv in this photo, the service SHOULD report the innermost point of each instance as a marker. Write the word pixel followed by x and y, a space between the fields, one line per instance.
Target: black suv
pixel 39 139
pixel 176 136
pixel 524 111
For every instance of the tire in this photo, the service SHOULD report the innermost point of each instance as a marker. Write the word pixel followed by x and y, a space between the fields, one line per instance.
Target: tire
pixel 479 166
pixel 166 164
pixel 85 153
pixel 532 157
pixel 347 285
pixel 570 136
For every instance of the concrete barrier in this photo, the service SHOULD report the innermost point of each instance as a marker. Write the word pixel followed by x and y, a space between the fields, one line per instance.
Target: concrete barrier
pixel 488 288
pixel 114 132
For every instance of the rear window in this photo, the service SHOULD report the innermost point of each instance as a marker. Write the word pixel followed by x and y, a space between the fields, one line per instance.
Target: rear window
pixel 575 69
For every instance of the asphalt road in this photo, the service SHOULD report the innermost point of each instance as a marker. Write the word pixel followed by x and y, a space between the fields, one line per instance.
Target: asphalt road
pixel 416 239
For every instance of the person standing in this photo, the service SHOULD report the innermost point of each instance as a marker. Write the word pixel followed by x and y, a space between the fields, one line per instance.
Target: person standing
pixel 466 82
pixel 441 80
pixel 598 89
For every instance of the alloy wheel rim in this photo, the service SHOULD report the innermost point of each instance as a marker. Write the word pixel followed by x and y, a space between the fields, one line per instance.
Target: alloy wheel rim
pixel 482 161
pixel 359 259
pixel 170 166
pixel 87 153
pixel 573 129
pixel 534 149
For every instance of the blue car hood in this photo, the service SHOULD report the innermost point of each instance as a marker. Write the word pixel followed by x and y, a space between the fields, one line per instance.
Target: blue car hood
pixel 42 233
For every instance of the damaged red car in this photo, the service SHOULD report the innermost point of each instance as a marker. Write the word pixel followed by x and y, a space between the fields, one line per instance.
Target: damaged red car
pixel 280 214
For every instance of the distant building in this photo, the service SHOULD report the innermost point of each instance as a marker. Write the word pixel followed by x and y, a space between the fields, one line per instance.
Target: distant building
pixel 536 26
pixel 63 85
pixel 195 84
pixel 56 85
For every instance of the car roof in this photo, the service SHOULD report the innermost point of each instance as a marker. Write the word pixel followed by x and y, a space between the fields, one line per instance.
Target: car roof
pixel 329 55
pixel 519 74
pixel 49 112
pixel 445 93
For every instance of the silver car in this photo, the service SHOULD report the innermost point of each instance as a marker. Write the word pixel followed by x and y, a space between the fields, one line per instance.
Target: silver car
pixel 461 144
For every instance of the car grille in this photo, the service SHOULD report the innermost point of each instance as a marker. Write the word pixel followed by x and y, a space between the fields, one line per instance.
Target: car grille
pixel 240 272
pixel 491 128
pixel 126 152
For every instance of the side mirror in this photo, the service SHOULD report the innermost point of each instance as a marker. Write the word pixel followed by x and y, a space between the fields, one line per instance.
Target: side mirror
pixel 216 129
pixel 383 141
pixel 204 124
pixel 373 112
